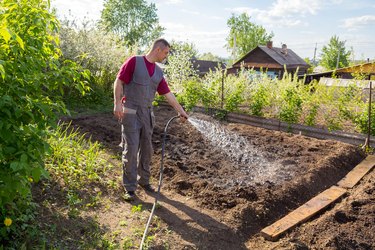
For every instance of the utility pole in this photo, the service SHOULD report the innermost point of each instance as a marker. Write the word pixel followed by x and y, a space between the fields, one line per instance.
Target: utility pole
pixel 338 56
pixel 234 48
pixel 314 62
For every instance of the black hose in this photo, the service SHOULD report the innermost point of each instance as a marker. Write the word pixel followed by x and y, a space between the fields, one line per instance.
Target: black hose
pixel 160 180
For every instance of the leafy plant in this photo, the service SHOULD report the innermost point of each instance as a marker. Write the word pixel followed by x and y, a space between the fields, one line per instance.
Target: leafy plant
pixel 333 53
pixel 136 21
pixel 137 209
pixel 259 98
pixel 245 35
pixel 179 69
pixel 31 85
pixel 291 101
pixel 96 50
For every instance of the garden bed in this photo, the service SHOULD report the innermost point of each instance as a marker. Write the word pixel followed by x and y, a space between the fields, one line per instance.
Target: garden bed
pixel 239 193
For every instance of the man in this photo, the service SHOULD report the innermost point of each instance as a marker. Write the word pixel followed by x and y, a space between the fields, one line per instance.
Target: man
pixel 134 91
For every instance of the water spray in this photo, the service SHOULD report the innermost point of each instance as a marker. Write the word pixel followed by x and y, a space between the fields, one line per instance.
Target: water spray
pixel 160 181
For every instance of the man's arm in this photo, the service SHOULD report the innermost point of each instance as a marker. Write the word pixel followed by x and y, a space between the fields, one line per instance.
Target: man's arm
pixel 117 98
pixel 174 103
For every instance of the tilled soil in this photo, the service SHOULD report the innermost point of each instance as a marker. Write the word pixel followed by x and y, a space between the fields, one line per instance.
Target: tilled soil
pixel 244 178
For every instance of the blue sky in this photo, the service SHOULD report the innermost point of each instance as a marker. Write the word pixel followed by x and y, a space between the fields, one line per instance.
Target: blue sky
pixel 300 24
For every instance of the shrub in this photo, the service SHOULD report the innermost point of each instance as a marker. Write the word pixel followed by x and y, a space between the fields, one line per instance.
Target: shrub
pixel 98 51
pixel 32 79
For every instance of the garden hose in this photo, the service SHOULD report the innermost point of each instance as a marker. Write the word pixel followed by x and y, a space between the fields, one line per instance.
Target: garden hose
pixel 160 181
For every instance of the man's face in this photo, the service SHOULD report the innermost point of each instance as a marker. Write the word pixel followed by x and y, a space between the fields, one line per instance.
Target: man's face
pixel 163 53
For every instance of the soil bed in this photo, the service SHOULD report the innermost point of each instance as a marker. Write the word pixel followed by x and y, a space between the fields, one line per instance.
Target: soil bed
pixel 243 177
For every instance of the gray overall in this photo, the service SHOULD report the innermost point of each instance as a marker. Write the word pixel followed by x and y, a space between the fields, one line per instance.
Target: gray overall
pixel 137 124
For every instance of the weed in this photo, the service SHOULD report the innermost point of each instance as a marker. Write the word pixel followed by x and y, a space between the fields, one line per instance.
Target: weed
pixel 127 243
pixel 136 209
pixel 123 223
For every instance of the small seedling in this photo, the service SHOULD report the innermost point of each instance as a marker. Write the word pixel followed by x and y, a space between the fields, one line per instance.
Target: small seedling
pixel 136 209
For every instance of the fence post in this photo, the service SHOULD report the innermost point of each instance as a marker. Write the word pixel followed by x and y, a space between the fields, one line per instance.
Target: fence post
pixel 222 89
pixel 367 143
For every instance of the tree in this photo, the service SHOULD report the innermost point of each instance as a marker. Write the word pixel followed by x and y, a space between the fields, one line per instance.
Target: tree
pixel 32 79
pixel 334 54
pixel 309 62
pixel 180 67
pixel 134 21
pixel 245 35
pixel 210 57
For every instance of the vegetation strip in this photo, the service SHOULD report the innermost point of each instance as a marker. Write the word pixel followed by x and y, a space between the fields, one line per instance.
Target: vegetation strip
pixel 274 124
pixel 319 202
pixel 303 213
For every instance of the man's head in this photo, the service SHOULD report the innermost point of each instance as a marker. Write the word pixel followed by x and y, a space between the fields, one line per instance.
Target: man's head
pixel 160 49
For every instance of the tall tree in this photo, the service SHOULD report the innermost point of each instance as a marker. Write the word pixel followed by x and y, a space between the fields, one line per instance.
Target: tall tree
pixel 245 35
pixel 179 68
pixel 210 57
pixel 334 55
pixel 134 21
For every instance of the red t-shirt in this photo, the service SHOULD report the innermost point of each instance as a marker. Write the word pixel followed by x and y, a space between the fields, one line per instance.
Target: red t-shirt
pixel 127 69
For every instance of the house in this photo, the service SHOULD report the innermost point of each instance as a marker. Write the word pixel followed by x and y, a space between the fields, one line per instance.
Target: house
pixel 368 69
pixel 202 67
pixel 273 60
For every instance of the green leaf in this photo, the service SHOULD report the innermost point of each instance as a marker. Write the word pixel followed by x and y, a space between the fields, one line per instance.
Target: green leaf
pixel 36 173
pixel 24 158
pixel 15 166
pixel 2 71
pixel 20 42
pixel 4 32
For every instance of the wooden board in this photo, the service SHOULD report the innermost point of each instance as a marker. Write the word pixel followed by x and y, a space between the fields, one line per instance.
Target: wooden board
pixel 354 176
pixel 303 213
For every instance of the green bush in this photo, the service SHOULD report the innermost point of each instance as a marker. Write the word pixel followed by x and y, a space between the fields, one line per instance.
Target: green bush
pixel 31 85
pixel 192 94
pixel 99 52
pixel 361 120
pixel 259 98
pixel 290 98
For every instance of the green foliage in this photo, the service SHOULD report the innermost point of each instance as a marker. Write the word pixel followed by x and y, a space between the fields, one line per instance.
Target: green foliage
pixel 334 49
pixel 180 67
pixel 137 209
pixel 210 57
pixel 75 161
pixel 33 80
pixel 245 35
pixel 192 94
pixel 290 98
pixel 212 84
pixel 95 50
pixel 23 232
pixel 234 95
pixel 362 119
pixel 259 98
pixel 135 21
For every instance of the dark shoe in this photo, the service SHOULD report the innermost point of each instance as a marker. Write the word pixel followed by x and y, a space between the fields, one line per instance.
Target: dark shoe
pixel 148 188
pixel 129 196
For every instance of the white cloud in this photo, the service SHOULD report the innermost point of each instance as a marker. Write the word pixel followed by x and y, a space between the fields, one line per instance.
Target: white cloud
pixel 78 9
pixel 196 13
pixel 358 22
pixel 286 13
pixel 173 1
pixel 166 2
pixel 288 7
pixel 205 40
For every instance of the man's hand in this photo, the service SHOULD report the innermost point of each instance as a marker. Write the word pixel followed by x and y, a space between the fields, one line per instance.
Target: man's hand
pixel 118 112
pixel 183 116
pixel 117 99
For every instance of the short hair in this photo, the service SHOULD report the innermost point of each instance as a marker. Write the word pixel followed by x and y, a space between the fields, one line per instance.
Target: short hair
pixel 161 43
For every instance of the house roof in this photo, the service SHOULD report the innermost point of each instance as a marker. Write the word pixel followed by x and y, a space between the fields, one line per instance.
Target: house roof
pixel 278 58
pixel 367 68
pixel 204 66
